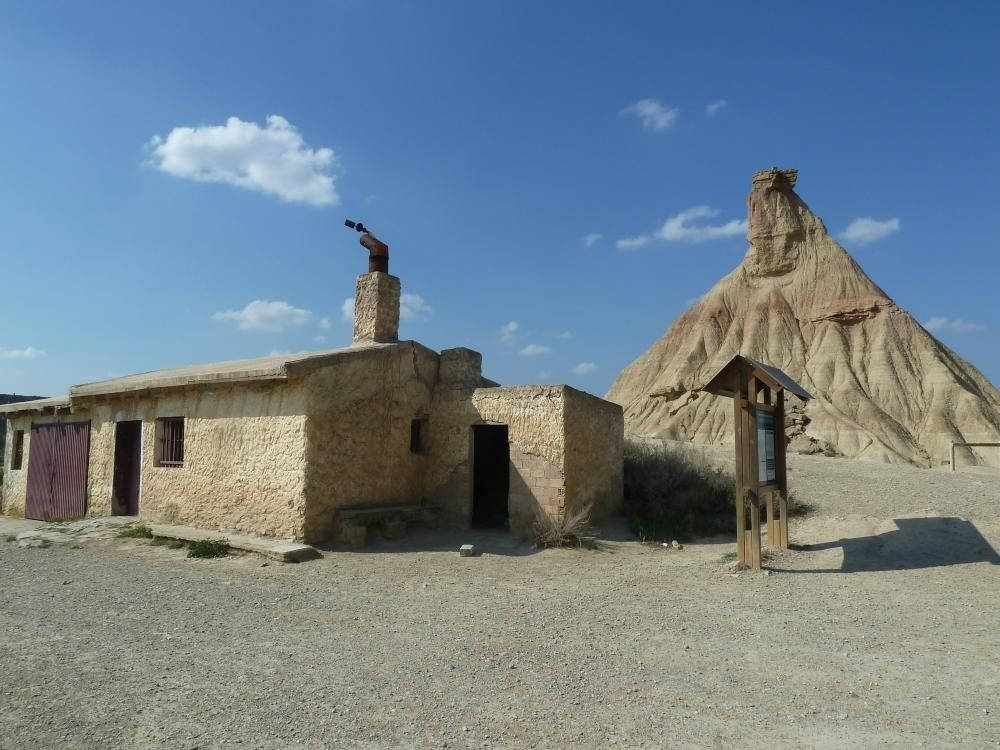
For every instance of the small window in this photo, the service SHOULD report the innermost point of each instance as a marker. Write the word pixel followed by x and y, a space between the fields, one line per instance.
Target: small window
pixel 170 442
pixel 17 455
pixel 418 435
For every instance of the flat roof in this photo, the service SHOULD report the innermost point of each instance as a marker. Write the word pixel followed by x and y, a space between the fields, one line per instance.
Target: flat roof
pixel 274 367
pixel 38 404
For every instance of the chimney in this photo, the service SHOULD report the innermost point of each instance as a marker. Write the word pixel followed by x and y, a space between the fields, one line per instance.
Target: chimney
pixel 376 298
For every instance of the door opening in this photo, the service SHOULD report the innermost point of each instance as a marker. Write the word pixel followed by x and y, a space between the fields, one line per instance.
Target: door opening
pixel 128 466
pixel 490 476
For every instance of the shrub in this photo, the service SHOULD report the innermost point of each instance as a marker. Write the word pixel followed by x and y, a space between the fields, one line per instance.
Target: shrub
pixel 670 494
pixel 139 531
pixel 208 548
pixel 564 530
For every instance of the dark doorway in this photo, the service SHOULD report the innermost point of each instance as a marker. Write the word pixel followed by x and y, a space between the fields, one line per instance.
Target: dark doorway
pixel 128 464
pixel 490 476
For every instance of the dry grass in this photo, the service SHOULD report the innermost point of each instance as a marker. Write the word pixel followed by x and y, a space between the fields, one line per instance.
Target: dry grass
pixel 670 494
pixel 140 531
pixel 208 548
pixel 565 530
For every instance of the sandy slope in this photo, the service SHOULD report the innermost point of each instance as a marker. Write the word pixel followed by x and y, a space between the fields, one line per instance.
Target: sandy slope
pixel 885 388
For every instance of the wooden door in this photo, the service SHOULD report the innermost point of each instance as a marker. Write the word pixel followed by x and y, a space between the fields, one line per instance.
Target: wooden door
pixel 57 470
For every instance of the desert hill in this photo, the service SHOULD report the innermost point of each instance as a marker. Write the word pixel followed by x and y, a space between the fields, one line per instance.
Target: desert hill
pixel 884 387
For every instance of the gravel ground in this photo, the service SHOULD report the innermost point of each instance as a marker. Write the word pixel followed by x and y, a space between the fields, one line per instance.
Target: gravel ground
pixel 883 633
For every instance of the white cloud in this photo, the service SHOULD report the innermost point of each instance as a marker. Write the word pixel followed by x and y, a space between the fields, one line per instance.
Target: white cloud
pixel 544 375
pixel 654 114
pixel 633 243
pixel 565 335
pixel 264 315
pixel 507 333
pixel 29 352
pixel 273 159
pixel 866 230
pixel 953 325
pixel 678 228
pixel 347 309
pixel 534 350
pixel 585 368
pixel 413 306
pixel 681 228
pixel 278 353
pixel 589 240
pixel 712 109
pixel 324 323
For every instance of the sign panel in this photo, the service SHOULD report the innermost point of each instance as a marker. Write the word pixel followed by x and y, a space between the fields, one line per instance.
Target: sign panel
pixel 765 447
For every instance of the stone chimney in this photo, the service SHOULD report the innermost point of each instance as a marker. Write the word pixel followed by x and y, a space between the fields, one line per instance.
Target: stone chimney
pixel 376 297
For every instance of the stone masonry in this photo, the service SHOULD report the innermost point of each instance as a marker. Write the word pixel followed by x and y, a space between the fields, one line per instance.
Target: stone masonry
pixel 376 308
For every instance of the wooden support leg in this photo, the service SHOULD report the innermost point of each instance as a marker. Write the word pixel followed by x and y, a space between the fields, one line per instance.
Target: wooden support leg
pixel 741 528
pixel 772 522
pixel 755 533
pixel 783 521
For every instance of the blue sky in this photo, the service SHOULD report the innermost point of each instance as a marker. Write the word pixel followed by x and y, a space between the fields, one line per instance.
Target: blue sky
pixel 500 148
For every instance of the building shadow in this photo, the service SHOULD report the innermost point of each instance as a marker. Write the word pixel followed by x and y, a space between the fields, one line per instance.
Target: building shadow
pixel 915 543
pixel 487 542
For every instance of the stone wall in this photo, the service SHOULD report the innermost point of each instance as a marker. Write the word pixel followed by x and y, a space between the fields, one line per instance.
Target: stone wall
pixel 358 415
pixel 15 483
pixel 243 470
pixel 534 419
pixel 376 307
pixel 595 444
pixel 279 458
pixel 533 415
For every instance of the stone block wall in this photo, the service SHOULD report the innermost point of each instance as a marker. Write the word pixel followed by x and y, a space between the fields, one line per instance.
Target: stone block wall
pixel 358 415
pixel 595 446
pixel 376 308
pixel 244 451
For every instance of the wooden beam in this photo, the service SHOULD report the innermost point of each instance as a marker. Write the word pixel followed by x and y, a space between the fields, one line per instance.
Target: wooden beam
pixel 781 467
pixel 772 522
pixel 752 477
pixel 738 420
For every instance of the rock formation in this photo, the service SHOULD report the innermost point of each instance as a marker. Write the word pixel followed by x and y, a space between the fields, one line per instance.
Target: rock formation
pixel 885 389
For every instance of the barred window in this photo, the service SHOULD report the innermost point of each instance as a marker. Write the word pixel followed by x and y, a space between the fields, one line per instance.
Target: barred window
pixel 171 441
pixel 17 455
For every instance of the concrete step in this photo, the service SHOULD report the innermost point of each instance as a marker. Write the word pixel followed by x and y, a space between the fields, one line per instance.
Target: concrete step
pixel 276 549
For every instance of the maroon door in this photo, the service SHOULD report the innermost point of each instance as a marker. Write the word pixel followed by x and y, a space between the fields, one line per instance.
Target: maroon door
pixel 57 470
pixel 128 442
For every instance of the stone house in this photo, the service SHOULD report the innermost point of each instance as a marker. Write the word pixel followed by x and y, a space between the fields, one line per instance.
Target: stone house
pixel 280 446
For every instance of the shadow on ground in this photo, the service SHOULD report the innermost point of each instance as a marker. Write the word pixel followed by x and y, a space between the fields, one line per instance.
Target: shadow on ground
pixel 487 541
pixel 916 543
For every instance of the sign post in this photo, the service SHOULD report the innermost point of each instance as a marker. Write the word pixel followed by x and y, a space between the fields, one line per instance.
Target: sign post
pixel 758 393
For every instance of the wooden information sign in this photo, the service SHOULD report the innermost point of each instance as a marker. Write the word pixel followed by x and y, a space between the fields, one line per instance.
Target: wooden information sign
pixel 758 393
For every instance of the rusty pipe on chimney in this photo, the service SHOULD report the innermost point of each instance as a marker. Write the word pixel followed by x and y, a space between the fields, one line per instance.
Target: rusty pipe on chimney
pixel 378 253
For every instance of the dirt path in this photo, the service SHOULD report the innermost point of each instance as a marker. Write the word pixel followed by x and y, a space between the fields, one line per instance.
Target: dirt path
pixel 885 633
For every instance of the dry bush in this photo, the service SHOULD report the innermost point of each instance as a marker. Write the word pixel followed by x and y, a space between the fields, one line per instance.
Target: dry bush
pixel 670 494
pixel 564 530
